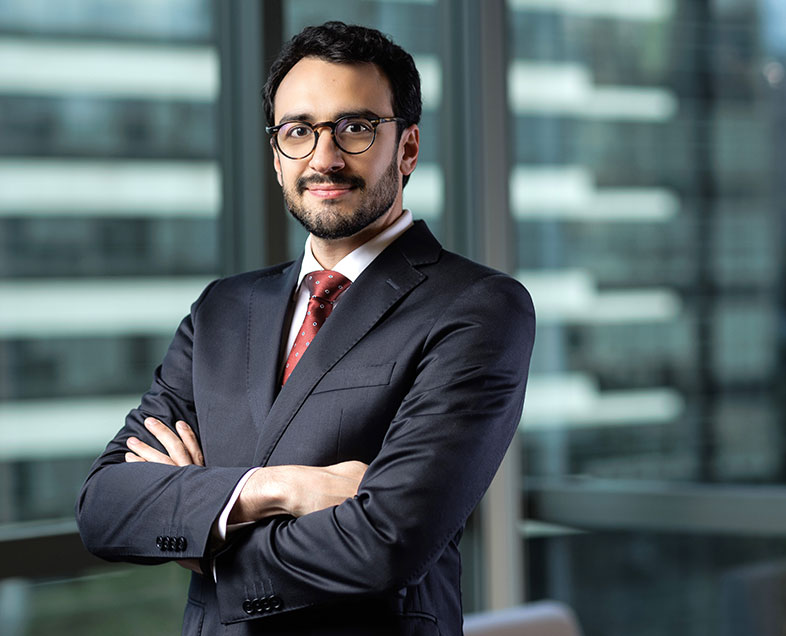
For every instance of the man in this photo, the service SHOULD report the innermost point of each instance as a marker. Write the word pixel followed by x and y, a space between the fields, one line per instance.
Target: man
pixel 328 495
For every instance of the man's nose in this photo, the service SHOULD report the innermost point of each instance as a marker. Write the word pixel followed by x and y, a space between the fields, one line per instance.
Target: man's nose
pixel 327 156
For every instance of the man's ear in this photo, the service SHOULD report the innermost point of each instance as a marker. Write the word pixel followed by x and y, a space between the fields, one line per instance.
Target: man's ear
pixel 408 148
pixel 277 164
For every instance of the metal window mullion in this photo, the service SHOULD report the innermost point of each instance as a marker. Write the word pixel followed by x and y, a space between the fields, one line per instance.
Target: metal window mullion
pixel 501 511
pixel 253 222
pixel 476 163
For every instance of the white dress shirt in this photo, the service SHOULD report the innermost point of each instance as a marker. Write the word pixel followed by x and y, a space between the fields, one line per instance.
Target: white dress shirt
pixel 351 266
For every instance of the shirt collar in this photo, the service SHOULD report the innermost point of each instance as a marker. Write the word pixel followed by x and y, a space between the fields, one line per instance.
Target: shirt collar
pixel 353 264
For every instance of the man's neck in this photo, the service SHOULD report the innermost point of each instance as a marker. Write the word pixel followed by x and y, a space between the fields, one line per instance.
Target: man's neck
pixel 328 252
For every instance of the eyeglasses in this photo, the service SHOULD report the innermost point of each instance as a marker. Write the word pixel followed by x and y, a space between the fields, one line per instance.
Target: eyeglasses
pixel 353 135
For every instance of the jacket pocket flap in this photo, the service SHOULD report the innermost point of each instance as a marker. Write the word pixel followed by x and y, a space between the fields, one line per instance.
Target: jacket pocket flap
pixel 355 377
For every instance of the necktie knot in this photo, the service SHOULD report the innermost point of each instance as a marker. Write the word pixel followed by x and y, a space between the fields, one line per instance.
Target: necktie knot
pixel 326 284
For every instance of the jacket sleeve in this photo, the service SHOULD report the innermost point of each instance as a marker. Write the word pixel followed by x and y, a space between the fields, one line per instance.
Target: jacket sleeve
pixel 439 456
pixel 145 512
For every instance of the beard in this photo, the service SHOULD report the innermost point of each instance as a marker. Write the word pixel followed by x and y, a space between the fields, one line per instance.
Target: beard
pixel 326 221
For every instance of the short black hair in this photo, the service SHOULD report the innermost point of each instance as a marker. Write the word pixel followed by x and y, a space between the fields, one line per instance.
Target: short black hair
pixel 351 44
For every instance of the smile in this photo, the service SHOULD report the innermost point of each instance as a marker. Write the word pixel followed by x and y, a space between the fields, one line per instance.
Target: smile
pixel 328 191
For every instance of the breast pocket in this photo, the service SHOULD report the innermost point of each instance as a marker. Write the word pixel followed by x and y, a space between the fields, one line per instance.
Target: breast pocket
pixel 362 397
pixel 341 419
pixel 355 377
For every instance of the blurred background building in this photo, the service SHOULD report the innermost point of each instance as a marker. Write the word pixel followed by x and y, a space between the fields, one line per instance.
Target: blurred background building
pixel 624 159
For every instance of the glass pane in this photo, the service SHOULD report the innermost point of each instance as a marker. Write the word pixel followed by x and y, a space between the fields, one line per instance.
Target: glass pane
pixel 109 195
pixel 645 193
pixel 651 584
pixel 124 601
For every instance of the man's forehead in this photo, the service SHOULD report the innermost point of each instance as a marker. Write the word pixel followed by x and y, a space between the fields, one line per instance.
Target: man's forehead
pixel 318 88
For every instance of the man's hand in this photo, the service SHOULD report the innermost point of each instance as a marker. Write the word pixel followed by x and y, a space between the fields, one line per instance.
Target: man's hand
pixel 183 450
pixel 296 490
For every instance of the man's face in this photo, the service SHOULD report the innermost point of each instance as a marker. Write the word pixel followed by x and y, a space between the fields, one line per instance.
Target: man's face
pixel 332 193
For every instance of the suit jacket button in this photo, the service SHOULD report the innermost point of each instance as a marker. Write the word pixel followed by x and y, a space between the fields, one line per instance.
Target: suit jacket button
pixel 182 543
pixel 256 604
pixel 248 606
pixel 160 542
pixel 275 603
pixel 265 604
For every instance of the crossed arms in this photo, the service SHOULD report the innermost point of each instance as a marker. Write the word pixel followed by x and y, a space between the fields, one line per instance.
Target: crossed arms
pixel 270 491
pixel 274 490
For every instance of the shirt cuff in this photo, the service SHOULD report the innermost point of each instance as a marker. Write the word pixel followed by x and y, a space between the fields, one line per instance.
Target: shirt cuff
pixel 221 525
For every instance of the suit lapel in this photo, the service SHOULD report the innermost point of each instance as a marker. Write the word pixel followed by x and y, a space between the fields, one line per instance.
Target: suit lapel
pixel 382 285
pixel 269 305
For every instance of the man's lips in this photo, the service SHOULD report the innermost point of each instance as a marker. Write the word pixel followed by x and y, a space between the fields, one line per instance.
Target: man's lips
pixel 332 187
pixel 324 191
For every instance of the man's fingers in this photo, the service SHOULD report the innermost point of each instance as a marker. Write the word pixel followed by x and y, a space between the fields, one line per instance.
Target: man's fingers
pixel 170 441
pixel 146 453
pixel 190 442
pixel 182 448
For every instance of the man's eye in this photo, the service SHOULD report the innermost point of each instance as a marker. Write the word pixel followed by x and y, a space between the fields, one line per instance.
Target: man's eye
pixel 298 132
pixel 356 127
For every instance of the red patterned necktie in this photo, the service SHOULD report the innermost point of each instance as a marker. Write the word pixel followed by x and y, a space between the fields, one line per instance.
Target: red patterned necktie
pixel 325 286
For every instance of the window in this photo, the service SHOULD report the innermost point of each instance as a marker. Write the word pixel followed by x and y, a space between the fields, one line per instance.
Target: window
pixel 645 193
pixel 109 201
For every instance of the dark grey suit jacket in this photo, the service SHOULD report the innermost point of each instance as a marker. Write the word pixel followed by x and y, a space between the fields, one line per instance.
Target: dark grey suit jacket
pixel 420 372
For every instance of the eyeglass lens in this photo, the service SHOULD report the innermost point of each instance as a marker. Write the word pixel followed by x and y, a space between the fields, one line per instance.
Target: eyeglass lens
pixel 297 138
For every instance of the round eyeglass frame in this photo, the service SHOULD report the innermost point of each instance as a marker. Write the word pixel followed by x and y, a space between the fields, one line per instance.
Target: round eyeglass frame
pixel 374 121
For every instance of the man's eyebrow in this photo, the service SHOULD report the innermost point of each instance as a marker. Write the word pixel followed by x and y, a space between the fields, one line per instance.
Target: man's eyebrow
pixel 294 117
pixel 368 114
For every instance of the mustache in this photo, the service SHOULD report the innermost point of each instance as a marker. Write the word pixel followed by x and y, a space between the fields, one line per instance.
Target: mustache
pixel 303 183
